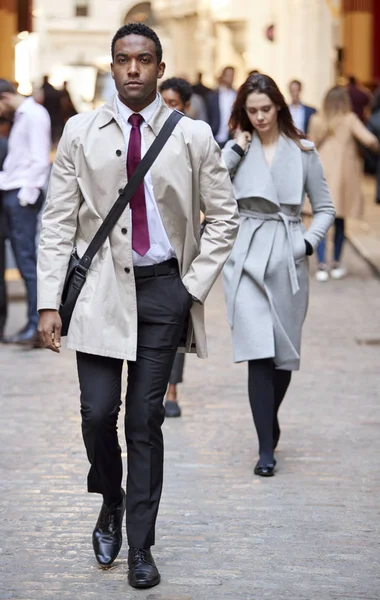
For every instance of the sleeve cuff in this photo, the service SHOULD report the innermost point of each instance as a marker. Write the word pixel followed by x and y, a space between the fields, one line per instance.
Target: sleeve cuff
pixel 309 248
pixel 236 148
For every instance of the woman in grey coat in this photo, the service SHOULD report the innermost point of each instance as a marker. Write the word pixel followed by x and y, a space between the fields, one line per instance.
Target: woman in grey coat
pixel 266 278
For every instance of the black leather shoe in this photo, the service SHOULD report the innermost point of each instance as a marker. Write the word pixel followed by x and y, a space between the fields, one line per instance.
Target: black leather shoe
pixel 172 409
pixel 143 572
pixel 265 470
pixel 27 336
pixel 107 537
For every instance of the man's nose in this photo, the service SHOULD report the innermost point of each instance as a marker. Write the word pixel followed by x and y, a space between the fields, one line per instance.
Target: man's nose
pixel 133 68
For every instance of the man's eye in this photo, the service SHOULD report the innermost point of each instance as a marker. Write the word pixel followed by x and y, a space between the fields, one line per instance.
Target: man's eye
pixel 267 109
pixel 122 60
pixel 145 60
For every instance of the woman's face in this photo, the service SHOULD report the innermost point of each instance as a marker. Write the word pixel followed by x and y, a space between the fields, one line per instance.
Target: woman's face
pixel 261 112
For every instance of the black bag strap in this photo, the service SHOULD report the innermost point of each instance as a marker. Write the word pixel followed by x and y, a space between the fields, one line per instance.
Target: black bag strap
pixel 129 190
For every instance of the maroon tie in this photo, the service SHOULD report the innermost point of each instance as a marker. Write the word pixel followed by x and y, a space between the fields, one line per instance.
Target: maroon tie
pixel 140 231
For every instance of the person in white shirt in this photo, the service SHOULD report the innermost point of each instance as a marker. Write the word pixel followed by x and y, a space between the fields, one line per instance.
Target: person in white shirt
pixel 219 106
pixel 24 174
pixel 301 113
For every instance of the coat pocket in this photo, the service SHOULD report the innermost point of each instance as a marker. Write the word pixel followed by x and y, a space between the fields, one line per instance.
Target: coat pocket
pixel 299 246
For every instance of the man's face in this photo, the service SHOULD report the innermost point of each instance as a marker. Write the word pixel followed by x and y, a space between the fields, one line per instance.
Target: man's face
pixel 7 109
pixel 174 100
pixel 135 70
pixel 227 78
pixel 295 92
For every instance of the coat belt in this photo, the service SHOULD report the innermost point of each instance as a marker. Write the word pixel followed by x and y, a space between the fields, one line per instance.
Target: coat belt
pixel 240 259
pixel 286 219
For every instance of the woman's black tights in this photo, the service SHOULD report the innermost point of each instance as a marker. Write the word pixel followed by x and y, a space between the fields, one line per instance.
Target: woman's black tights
pixel 267 387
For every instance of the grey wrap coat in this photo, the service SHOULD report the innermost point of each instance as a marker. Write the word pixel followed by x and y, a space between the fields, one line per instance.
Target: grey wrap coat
pixel 266 278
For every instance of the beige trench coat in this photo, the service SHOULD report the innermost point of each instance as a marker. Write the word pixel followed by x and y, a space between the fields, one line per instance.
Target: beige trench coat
pixel 342 163
pixel 89 169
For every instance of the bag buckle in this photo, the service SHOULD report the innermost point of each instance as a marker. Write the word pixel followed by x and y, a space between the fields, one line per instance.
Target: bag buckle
pixel 81 270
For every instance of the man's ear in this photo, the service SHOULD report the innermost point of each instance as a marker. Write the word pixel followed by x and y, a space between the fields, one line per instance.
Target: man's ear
pixel 112 73
pixel 161 70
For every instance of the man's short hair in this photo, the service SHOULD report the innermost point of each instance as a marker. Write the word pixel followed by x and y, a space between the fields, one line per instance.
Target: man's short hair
pixel 7 87
pixel 179 85
pixel 137 29
pixel 297 82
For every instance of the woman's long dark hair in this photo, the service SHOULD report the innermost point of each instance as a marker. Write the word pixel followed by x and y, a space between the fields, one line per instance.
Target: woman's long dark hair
pixel 263 84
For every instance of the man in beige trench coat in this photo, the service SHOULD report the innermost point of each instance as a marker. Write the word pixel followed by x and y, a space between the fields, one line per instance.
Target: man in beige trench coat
pixel 144 285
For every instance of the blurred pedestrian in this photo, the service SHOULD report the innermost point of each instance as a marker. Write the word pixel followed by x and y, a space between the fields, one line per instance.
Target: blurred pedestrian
pixel 219 106
pixel 51 100
pixel 373 125
pixel 68 109
pixel 177 94
pixel 360 98
pixel 199 87
pixel 301 113
pixel 266 278
pixel 24 175
pixel 3 291
pixel 336 132
pixel 146 287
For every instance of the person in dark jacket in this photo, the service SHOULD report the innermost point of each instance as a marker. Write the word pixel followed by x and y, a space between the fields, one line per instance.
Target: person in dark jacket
pixel 219 106
pixel 3 295
pixel 301 113
pixel 374 127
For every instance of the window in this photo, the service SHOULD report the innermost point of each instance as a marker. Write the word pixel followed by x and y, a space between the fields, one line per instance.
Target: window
pixel 82 9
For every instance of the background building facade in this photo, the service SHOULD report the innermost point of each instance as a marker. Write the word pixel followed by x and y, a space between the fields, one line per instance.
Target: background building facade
pixel 312 40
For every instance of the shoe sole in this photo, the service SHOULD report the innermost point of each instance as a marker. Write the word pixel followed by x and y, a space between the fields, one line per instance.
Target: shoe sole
pixel 142 586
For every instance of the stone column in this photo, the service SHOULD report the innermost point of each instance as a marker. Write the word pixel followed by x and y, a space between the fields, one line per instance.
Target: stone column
pixel 8 30
pixel 358 38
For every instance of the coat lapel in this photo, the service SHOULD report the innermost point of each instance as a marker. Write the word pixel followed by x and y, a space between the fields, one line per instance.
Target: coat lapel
pixel 287 172
pixel 262 181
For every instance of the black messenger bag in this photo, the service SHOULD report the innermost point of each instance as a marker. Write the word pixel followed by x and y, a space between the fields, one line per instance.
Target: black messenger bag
pixel 78 267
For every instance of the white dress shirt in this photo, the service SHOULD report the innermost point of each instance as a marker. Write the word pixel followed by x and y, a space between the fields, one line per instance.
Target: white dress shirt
pixel 298 115
pixel 160 247
pixel 226 100
pixel 27 164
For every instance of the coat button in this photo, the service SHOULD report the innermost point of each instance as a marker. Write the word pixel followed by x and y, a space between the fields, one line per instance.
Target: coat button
pixel 127 269
pixel 118 152
pixel 124 231
pixel 121 190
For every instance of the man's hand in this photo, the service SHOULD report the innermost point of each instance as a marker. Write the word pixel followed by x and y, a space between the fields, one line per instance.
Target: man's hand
pixel 50 329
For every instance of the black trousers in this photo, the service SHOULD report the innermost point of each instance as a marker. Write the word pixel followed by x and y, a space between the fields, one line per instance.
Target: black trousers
pixel 163 306
pixel 267 387
pixel 3 292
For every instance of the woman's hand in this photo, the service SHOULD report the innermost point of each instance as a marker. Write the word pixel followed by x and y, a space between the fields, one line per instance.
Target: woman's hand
pixel 243 138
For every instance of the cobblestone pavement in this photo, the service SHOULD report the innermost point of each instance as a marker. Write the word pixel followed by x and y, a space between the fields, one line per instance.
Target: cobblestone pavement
pixel 311 532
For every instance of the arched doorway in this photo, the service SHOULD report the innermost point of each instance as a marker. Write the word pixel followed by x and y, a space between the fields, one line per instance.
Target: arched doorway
pixel 141 13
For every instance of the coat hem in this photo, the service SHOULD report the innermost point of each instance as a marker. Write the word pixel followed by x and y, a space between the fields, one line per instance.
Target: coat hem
pixel 101 352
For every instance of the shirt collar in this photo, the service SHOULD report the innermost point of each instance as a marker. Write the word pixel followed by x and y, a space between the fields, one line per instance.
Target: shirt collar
pixel 147 112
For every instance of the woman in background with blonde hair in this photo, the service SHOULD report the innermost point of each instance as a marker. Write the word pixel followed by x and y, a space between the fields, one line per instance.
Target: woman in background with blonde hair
pixel 336 132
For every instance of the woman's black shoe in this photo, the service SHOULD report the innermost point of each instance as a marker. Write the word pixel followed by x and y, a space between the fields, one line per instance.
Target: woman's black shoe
pixel 143 572
pixel 264 470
